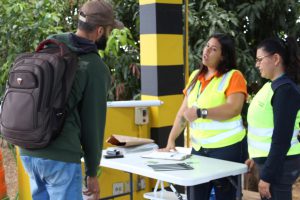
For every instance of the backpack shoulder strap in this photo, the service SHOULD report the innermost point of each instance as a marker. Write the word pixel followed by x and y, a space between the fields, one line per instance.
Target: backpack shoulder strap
pixel 63 48
pixel 70 57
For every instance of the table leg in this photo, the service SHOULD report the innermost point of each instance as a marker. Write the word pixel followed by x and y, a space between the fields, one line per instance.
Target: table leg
pixel 178 195
pixel 239 188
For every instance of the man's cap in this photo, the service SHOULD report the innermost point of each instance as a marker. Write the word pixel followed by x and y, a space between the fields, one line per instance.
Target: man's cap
pixel 99 12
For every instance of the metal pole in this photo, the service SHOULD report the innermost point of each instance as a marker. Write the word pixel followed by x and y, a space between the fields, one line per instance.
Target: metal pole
pixel 186 57
pixel 131 186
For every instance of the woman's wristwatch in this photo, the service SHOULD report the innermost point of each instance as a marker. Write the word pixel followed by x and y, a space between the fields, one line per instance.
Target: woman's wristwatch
pixel 202 113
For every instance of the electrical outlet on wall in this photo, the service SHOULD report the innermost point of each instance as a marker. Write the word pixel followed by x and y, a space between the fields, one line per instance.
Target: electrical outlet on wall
pixel 118 188
pixel 127 186
pixel 141 184
pixel 141 115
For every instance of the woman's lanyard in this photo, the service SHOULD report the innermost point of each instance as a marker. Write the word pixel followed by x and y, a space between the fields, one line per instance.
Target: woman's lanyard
pixel 198 95
pixel 198 92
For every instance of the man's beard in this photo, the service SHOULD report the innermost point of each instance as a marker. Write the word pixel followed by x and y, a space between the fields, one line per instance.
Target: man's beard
pixel 101 43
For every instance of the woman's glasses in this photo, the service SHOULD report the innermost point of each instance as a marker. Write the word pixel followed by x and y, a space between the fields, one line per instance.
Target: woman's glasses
pixel 258 60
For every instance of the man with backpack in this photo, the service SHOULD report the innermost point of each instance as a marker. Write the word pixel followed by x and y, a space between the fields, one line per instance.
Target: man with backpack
pixel 55 170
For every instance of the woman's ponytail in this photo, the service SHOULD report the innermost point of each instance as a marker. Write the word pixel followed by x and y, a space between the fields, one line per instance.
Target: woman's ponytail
pixel 292 59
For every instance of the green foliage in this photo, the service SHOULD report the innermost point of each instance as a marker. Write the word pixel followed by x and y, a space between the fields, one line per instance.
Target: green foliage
pixel 122 56
pixel 5 198
pixel 269 18
pixel 23 25
pixel 123 52
pixel 248 21
pixel 99 171
pixel 206 18
pixel 128 12
pixel 26 23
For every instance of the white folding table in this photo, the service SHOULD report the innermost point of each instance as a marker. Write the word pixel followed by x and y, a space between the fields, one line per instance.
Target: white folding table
pixel 205 170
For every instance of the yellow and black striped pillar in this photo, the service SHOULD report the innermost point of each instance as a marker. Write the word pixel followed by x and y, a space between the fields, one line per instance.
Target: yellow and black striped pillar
pixel 162 63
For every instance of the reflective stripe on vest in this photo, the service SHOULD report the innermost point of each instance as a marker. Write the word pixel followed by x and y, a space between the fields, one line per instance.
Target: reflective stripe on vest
pixel 266 132
pixel 267 146
pixel 218 137
pixel 210 133
pixel 217 125
pixel 223 81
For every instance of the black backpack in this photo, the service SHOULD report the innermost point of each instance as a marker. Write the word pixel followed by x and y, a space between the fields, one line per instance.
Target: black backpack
pixel 33 107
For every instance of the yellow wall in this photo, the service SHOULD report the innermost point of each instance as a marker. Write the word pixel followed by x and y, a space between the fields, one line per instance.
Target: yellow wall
pixel 23 181
pixel 119 121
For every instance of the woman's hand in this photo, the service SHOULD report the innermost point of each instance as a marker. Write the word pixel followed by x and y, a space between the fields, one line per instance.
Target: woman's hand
pixel 264 189
pixel 170 147
pixel 177 128
pixel 190 114
pixel 250 163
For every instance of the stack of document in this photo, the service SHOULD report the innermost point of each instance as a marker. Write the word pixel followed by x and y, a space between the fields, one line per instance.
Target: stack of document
pixel 166 155
pixel 171 167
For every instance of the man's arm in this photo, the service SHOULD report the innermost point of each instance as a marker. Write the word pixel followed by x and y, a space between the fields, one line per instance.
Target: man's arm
pixel 93 118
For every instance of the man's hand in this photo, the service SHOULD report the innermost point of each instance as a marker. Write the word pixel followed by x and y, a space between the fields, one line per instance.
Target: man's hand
pixel 92 190
pixel 190 114
pixel 264 189
pixel 250 164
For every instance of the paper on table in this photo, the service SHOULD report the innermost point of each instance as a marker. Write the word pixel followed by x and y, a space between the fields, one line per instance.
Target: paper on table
pixel 166 155
pixel 135 149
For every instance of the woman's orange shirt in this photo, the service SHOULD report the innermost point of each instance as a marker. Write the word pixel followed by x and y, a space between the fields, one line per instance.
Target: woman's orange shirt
pixel 237 83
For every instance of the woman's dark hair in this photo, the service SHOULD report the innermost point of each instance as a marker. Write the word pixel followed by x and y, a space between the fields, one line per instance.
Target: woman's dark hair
pixel 228 54
pixel 289 52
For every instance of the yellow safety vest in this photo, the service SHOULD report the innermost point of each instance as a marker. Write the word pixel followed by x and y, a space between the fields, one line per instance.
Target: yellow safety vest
pixel 209 133
pixel 261 125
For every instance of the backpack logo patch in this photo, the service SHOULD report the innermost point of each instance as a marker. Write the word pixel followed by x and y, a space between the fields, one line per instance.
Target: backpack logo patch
pixel 19 80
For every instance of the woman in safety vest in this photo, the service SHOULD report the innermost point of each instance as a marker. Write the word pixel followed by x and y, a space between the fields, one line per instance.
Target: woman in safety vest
pixel 213 101
pixel 273 119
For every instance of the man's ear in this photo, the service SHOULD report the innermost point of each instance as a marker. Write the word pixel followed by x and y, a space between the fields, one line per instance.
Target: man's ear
pixel 100 31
